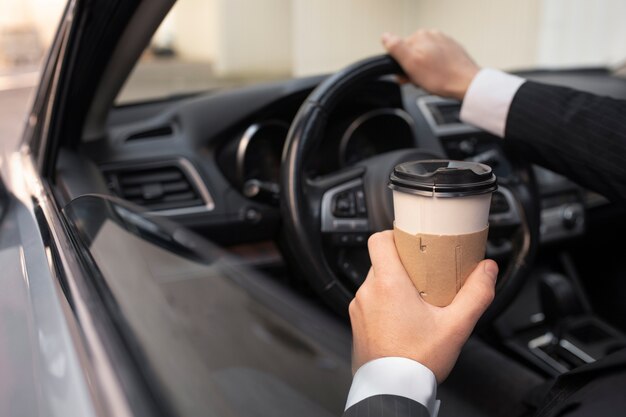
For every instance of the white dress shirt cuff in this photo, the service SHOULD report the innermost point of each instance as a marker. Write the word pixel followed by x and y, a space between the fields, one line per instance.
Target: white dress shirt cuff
pixel 488 99
pixel 395 376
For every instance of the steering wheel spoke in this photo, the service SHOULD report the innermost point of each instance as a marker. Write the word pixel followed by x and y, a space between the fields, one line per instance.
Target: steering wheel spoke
pixel 342 204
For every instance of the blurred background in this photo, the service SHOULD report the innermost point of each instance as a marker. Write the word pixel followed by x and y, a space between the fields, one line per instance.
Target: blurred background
pixel 208 44
pixel 26 30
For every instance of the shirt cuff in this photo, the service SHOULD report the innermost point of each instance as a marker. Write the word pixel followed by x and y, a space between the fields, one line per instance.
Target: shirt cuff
pixel 395 376
pixel 488 99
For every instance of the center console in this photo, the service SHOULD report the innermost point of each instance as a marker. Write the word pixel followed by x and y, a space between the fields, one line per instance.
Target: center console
pixel 563 333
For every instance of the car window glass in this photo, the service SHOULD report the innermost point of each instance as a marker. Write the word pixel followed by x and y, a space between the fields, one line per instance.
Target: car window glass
pixel 216 338
pixel 215 44
pixel 28 56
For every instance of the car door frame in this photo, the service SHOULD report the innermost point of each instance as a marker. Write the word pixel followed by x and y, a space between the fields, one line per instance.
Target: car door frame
pixel 115 384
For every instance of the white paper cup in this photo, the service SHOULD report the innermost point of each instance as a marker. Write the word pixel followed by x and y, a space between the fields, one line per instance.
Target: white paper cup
pixel 441 223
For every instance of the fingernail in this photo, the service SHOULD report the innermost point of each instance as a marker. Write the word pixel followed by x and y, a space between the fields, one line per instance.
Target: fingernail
pixel 491 268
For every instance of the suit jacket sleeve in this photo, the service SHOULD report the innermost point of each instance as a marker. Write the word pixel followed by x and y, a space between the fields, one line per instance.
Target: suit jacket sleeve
pixel 387 406
pixel 580 135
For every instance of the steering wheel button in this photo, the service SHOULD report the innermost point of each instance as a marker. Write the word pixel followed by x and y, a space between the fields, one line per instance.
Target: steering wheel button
pixel 343 239
pixel 344 205
pixel 361 207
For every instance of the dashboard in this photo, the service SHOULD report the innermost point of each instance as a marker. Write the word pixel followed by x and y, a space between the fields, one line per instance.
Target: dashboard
pixel 212 162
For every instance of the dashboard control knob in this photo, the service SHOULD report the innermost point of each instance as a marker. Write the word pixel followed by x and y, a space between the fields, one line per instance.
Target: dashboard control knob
pixel 468 146
pixel 252 215
pixel 264 191
pixel 571 216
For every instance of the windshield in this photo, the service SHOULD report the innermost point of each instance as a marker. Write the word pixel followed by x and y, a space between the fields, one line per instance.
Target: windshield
pixel 205 45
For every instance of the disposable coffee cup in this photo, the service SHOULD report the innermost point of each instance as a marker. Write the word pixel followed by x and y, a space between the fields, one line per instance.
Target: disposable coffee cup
pixel 441 222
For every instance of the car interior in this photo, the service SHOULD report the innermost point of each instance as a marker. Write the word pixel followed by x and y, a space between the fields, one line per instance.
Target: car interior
pixel 288 178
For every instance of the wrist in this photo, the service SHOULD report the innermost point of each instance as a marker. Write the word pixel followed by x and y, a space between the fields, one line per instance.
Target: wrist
pixel 460 88
pixel 488 99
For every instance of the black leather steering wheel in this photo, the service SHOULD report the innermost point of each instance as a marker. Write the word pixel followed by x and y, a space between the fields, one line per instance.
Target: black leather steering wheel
pixel 310 225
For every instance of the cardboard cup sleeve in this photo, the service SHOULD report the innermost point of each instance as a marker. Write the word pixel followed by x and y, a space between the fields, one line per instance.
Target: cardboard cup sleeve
pixel 439 264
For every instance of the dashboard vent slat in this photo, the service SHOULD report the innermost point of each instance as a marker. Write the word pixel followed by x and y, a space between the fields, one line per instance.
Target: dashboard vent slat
pixel 162 187
pixel 142 178
pixel 179 197
pixel 174 187
pixel 445 113
pixel 156 133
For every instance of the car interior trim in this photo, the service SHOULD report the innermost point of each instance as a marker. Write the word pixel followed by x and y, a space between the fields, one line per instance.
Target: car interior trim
pixel 130 46
pixel 242 146
pixel 425 102
pixel 209 203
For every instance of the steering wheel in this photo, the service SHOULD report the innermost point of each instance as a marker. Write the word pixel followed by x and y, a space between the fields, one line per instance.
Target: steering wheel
pixel 312 227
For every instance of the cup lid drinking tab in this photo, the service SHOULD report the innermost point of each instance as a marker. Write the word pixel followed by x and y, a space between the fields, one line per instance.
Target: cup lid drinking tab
pixel 443 178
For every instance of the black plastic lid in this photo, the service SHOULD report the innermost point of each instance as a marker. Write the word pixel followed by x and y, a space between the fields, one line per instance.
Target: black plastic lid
pixel 443 178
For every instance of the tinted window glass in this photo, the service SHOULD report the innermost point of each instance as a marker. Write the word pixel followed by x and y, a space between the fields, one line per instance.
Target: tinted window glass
pixel 220 339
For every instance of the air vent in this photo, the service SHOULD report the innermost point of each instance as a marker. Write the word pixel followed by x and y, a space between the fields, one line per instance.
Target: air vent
pixel 445 113
pixel 156 133
pixel 164 187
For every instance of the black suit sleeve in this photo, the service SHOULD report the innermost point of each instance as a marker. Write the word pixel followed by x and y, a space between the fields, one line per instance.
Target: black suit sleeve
pixel 387 406
pixel 580 135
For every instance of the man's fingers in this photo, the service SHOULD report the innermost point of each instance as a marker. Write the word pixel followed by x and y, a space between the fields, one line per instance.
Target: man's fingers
pixel 384 256
pixel 396 46
pixel 477 292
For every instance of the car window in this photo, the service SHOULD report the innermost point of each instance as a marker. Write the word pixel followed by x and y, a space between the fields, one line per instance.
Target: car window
pixel 215 44
pixel 213 337
pixel 27 29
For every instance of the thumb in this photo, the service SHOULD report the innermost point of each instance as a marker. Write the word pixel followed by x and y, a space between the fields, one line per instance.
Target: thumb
pixel 396 46
pixel 477 292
